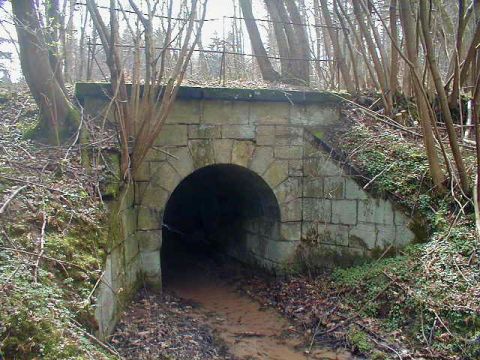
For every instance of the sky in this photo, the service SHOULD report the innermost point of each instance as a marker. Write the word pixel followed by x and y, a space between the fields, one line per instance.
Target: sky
pixel 215 9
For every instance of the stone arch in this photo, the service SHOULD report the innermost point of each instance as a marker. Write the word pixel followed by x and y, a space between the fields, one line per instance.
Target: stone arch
pixel 224 207
pixel 181 162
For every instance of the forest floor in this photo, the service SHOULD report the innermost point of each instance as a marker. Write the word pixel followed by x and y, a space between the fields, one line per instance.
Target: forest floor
pixel 419 302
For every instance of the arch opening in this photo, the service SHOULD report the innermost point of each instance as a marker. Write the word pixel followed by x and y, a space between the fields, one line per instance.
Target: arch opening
pixel 219 211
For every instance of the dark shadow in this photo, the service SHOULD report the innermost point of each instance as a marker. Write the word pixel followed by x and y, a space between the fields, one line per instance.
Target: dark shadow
pixel 218 212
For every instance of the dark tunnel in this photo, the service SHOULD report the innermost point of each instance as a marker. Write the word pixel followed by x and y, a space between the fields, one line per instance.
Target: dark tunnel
pixel 224 211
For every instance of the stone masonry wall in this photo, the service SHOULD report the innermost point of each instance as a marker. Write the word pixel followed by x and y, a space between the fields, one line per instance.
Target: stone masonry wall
pixel 320 201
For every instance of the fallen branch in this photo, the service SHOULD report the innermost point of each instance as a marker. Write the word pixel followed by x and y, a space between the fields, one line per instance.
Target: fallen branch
pixel 10 198
pixel 34 184
pixel 42 248
pixel 380 174
pixel 249 334
pixel 105 346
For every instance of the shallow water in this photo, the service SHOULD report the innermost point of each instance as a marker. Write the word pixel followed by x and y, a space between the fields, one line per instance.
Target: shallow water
pixel 248 330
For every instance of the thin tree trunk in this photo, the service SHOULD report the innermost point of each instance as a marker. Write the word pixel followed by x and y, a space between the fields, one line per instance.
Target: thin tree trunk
pixel 439 86
pixel 408 25
pixel 336 47
pixel 379 69
pixel 266 68
pixel 453 100
pixel 394 58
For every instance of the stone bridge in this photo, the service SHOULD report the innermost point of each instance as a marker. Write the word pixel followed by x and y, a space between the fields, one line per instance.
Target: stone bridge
pixel 243 171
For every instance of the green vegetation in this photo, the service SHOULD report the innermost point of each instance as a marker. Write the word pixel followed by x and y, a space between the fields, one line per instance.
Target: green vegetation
pixel 47 277
pixel 429 291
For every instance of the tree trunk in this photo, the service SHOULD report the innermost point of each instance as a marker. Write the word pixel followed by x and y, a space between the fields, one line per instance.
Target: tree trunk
pixel 379 69
pixel 453 100
pixel 333 33
pixel 266 68
pixel 302 48
pixel 281 39
pixel 394 58
pixel 408 25
pixel 58 117
pixel 439 86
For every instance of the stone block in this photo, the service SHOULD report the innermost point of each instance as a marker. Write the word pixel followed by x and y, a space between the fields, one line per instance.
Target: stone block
pixel 333 234
pixel 223 151
pixel 164 176
pixel 289 152
pixel 242 152
pixel 204 131
pixel 262 158
pixel 334 187
pixel 131 248
pixel 140 187
pixel 240 132
pixel 276 173
pixel 203 153
pixel 132 271
pixel 155 154
pixel 386 235
pixel 321 166
pixel 99 109
pixel 295 167
pixel 353 191
pixel 291 231
pixel 106 303
pixel 149 241
pixel 400 218
pixel 314 115
pixel 149 219
pixel 311 151
pixel 225 112
pixel 288 135
pixel 404 235
pixel 150 261
pixel 363 236
pixel 129 221
pixel 344 212
pixel 181 160
pixel 377 211
pixel 291 210
pixel 313 188
pixel 265 135
pixel 172 135
pixel 143 172
pixel 289 190
pixel 269 113
pixel 280 251
pixel 185 112
pixel 317 210
pixel 154 197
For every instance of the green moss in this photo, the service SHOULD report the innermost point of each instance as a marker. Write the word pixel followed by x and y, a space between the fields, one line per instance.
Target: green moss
pixel 359 340
pixel 45 132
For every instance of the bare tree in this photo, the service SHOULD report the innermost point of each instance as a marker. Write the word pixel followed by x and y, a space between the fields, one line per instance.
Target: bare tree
pixel 58 117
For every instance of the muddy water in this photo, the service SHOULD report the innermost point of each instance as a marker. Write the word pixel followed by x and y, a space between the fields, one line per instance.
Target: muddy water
pixel 249 331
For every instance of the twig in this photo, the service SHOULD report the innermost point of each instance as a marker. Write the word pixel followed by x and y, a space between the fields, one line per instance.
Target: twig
pixel 34 183
pixel 105 346
pixel 42 248
pixel 7 280
pixel 87 300
pixel 61 262
pixel 10 198
pixel 379 174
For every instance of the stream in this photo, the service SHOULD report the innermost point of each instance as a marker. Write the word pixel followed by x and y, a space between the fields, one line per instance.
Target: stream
pixel 247 329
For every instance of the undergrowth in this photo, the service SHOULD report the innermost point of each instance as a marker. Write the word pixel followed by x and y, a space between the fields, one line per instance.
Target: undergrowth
pixel 430 291
pixel 52 244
